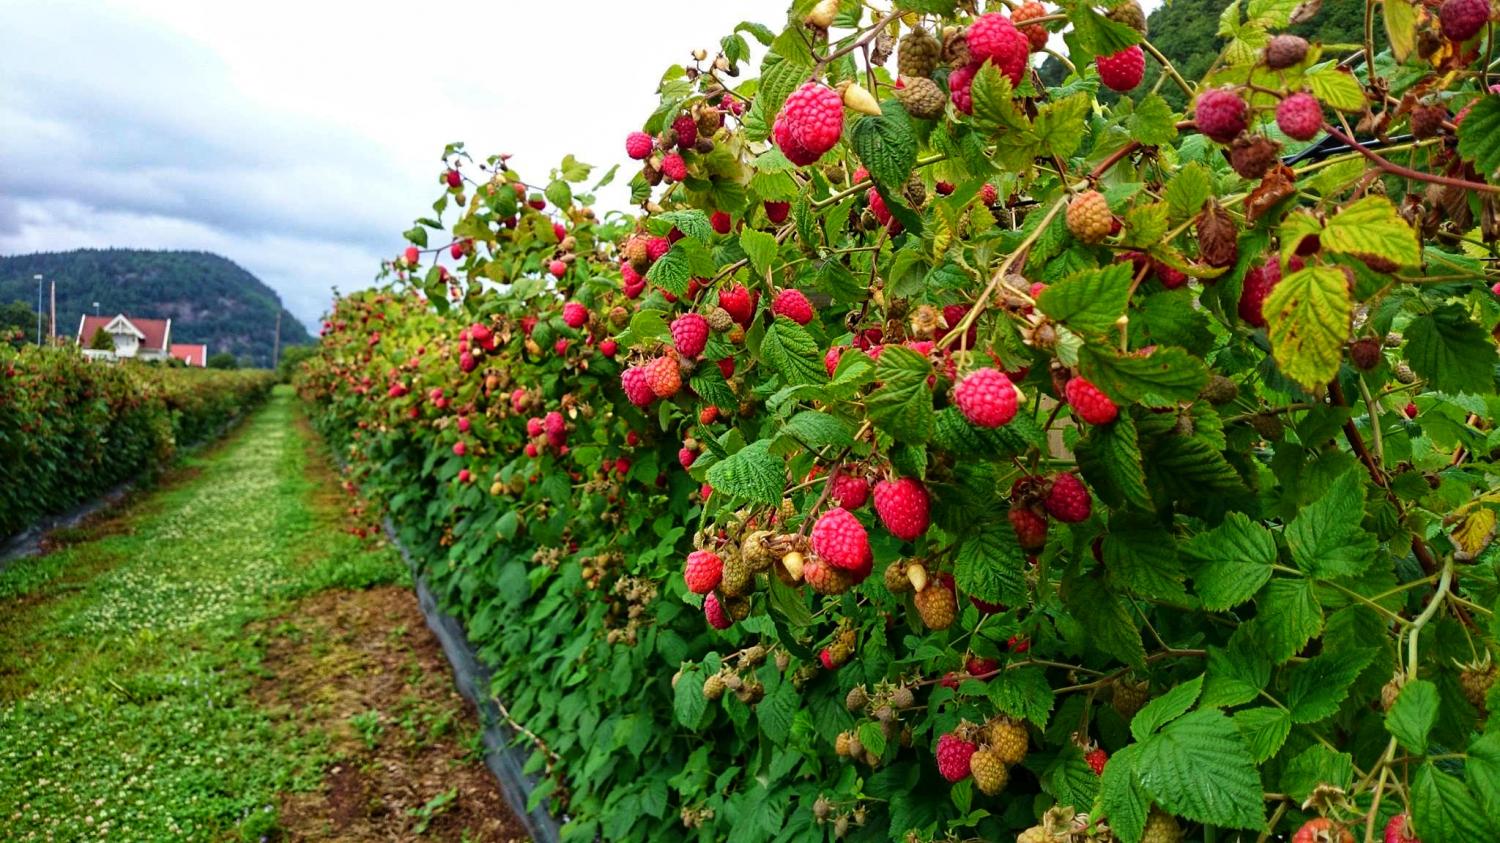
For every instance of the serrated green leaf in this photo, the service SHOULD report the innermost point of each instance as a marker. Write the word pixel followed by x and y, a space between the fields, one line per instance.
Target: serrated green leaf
pixel 1371 226
pixel 1451 351
pixel 1317 765
pixel 1067 777
pixel 1059 124
pixel 1094 34
pixel 1110 458
pixel 1142 557
pixel 1159 379
pixel 1479 136
pixel 873 738
pixel 902 406
pixel 1326 538
pixel 708 382
pixel 791 352
pixel 990 565
pixel 1121 795
pixel 752 472
pixel 1442 809
pixel 1174 763
pixel 559 193
pixel 1265 729
pixel 1287 616
pixel 886 145
pixel 818 430
pixel 1189 188
pixel 1236 673
pixel 1165 708
pixel 1089 303
pixel 1316 687
pixel 691 221
pixel 1023 692
pixel 673 271
pixel 1153 123
pixel 1307 317
pixel 1107 618
pixel 688 703
pixel 760 248
pixel 776 712
pixel 1483 771
pixel 1411 716
pixel 1230 562
pixel 1335 88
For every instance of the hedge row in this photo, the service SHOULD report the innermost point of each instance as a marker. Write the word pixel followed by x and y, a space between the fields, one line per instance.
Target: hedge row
pixel 71 429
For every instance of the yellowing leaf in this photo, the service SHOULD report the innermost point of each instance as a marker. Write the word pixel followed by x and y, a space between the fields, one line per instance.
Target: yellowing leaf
pixel 1371 226
pixel 1400 27
pixel 1308 322
pixel 1476 531
pixel 1335 88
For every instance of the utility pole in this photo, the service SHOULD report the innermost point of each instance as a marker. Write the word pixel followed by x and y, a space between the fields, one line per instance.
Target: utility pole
pixel 276 342
pixel 38 278
pixel 52 317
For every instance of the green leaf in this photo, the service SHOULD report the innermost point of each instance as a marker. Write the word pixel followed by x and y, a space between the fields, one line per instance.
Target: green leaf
pixel 873 737
pixel 1107 619
pixel 688 703
pixel 818 430
pixel 1483 770
pixel 691 221
pixel 886 145
pixel 1159 379
pixel 1443 809
pixel 1287 616
pixel 1451 351
pixel 1265 729
pixel 1314 766
pixel 1068 777
pixel 777 81
pixel 991 566
pixel 1023 692
pixel 1326 538
pixel 1165 708
pixel 1153 124
pixel 1110 458
pixel 1371 226
pixel 1060 123
pixel 1236 673
pixel 1189 188
pixel 1142 557
pixel 708 382
pixel 1479 136
pixel 1175 769
pixel 1232 561
pixel 673 271
pixel 791 352
pixel 1316 687
pixel 1121 795
pixel 1335 88
pixel 1401 32
pixel 752 472
pixel 1096 35
pixel 1307 317
pixel 1411 716
pixel 760 248
pixel 776 712
pixel 559 193
pixel 417 235
pixel 902 406
pixel 1090 302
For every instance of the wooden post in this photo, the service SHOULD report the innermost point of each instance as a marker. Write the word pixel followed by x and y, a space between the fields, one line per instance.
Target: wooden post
pixel 52 317
pixel 276 342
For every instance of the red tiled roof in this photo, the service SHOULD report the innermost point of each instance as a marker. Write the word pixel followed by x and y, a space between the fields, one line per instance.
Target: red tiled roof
pixel 193 355
pixel 154 329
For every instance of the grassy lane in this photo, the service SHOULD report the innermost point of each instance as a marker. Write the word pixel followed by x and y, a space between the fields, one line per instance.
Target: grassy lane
pixel 137 700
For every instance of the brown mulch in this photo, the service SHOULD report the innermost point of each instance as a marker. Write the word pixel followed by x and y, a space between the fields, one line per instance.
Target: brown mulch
pixel 362 668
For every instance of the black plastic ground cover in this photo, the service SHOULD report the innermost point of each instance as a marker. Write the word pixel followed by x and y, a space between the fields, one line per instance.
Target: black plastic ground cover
pixel 505 759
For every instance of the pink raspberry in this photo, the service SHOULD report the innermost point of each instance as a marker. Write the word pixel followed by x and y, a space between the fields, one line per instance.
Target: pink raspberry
pixel 554 424
pixel 792 148
pixel 850 491
pixel 1461 20
pixel 686 129
pixel 530 450
pixel 877 206
pixel 656 247
pixel 1300 116
pixel 703 571
pixel 986 397
pixel 467 362
pixel 1088 403
pixel 840 539
pixel 776 211
pixel 637 386
pixel 690 334
pixel 1221 114
pixel 1068 500
pixel 988 194
pixel 687 456
pixel 793 305
pixel 1123 70
pixel 993 37
pixel 533 426
pixel 1170 277
pixel 715 614
pixel 814 118
pixel 673 167
pixel 575 315
pixel 638 145
pixel 720 221
pixel 1030 526
pixel 954 754
pixel 960 87
pixel 833 355
pixel 459 449
pixel 557 268
pixel 903 507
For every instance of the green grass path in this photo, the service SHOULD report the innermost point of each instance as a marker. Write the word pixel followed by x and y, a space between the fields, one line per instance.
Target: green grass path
pixel 125 659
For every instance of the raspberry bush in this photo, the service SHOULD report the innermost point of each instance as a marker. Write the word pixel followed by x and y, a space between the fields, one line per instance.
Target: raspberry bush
pixel 1173 446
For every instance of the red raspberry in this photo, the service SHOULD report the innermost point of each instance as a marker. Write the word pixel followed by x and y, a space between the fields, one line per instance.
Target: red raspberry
pixel 1088 403
pixel 944 188
pixel 1096 759
pixel 739 303
pixel 459 449
pixel 993 37
pixel 813 117
pixel 656 247
pixel 608 348
pixel 575 315
pixel 557 268
pixel 637 386
pixel 981 667
pixel 834 354
pixel 960 87
pixel 839 538
pixel 1123 70
pixel 703 571
pixel 664 377
pixel 720 221
pixel 1030 526
pixel 687 131
pixel 850 491
pixel 877 206
pixel 726 367
pixel 1462 19
pixel 1259 282
pixel 793 149
pixel 467 362
pixel 986 397
pixel 533 426
pixel 690 334
pixel 1068 500
pixel 1300 116
pixel 1018 644
pixel 1399 830
pixel 714 612
pixel 673 167
pixel 638 145
pixel 903 507
pixel 793 305
pixel 954 754
pixel 988 194
pixel 1036 34
pixel 686 456
pixel 1169 277
pixel 1410 410
pixel 1221 114
pixel 776 211
pixel 554 424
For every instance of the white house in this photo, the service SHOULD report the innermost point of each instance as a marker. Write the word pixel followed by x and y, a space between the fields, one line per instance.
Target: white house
pixel 134 338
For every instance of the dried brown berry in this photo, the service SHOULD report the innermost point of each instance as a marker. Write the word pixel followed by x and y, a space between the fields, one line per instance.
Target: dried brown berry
pixel 1218 236
pixel 1365 352
pixel 1252 155
pixel 1285 50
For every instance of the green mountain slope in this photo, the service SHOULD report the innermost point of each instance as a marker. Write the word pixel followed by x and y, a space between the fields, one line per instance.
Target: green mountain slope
pixel 209 298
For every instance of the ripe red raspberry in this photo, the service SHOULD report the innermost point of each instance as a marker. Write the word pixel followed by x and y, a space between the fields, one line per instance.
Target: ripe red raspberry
pixel 1123 70
pixel 833 355
pixel 638 145
pixel 995 38
pixel 1068 500
pixel 988 194
pixel 953 757
pixel 840 539
pixel 720 221
pixel 714 612
pixel 533 426
pixel 776 211
pixel 1300 116
pixel 608 348
pixel 690 334
pixel 557 268
pixel 467 362
pixel 1221 114
pixel 1096 759
pixel 664 377
pixel 656 247
pixel 850 491
pixel 575 315
pixel 902 505
pixel 877 206
pixel 986 397
pixel 961 87
pixel 673 167
pixel 1088 403
pixel 1030 526
pixel 793 149
pixel 1036 34
pixel 812 119
pixel 978 667
pixel 1259 282
pixel 1410 410
pixel 554 424
pixel 686 456
pixel 1169 277
pixel 793 305
pixel 739 303
pixel 1462 19
pixel 687 131
pixel 1399 830
pixel 637 386
pixel 703 571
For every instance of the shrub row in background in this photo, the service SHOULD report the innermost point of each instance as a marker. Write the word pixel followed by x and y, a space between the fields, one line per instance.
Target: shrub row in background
pixel 71 429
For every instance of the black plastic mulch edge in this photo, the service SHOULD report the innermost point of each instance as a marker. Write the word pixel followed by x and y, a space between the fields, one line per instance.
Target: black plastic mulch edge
pixel 504 759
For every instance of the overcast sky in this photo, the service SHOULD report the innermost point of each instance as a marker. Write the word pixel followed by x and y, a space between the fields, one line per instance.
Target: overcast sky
pixel 300 138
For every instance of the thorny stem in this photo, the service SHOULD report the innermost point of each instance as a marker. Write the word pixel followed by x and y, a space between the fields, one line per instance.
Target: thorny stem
pixel 1406 172
pixel 984 299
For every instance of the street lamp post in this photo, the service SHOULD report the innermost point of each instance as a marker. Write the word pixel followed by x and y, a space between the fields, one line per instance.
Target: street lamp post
pixel 38 277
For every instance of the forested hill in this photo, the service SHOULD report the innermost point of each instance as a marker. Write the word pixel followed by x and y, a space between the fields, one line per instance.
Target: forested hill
pixel 209 298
